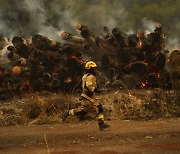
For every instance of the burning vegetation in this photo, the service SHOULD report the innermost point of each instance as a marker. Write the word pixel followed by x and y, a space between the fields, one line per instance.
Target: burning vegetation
pixel 125 62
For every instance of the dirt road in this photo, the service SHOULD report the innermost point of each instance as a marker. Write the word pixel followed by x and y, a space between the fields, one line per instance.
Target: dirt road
pixel 156 136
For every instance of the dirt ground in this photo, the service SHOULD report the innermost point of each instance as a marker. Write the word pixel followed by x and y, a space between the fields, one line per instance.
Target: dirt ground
pixel 155 136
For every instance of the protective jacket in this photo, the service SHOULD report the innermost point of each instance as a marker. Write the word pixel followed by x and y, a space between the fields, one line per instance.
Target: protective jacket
pixel 89 85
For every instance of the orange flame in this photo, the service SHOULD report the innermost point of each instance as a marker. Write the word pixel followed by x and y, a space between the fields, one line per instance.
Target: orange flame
pixel 139 44
pixel 144 84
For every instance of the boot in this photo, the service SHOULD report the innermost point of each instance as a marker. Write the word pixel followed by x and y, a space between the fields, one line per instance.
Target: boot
pixel 103 126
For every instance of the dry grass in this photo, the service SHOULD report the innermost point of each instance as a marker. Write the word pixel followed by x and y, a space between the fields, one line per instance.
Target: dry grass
pixel 48 108
pixel 141 104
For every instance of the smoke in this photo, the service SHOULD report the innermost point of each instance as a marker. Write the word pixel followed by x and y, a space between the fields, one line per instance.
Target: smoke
pixel 48 17
pixel 3 51
pixel 148 25
pixel 173 43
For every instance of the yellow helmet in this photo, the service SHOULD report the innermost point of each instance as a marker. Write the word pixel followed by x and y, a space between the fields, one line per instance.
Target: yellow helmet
pixel 90 64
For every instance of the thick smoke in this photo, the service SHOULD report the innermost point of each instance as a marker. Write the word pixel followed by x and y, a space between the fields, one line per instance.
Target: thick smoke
pixel 48 17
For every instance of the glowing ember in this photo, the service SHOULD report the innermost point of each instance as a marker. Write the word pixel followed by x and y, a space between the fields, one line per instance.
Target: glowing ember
pixel 158 75
pixel 143 85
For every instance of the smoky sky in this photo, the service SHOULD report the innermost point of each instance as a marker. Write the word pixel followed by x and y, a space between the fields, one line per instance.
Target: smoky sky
pixel 48 17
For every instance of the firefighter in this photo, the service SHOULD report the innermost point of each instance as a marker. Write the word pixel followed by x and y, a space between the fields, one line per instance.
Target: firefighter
pixel 88 99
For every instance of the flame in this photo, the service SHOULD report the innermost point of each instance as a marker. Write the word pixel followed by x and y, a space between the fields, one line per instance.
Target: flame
pixel 144 84
pixel 68 79
pixel 139 44
pixel 146 63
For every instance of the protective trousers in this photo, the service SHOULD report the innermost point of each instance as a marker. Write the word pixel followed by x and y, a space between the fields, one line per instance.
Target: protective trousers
pixel 86 105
